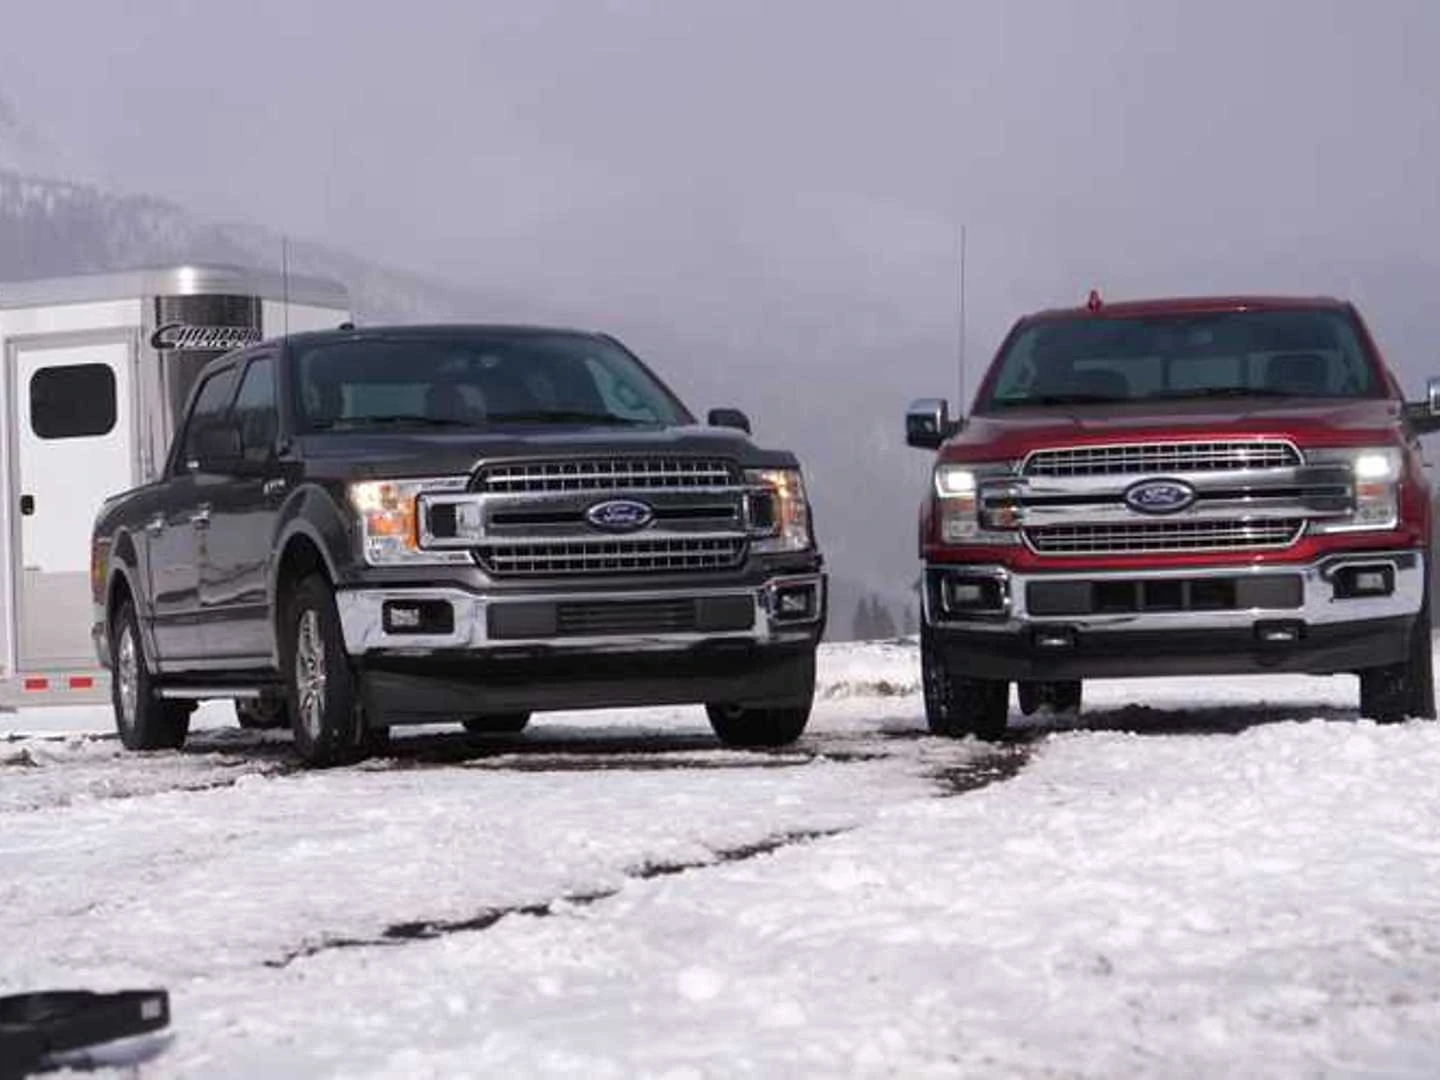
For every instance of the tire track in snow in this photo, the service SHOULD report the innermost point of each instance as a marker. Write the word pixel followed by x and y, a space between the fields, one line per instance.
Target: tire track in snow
pixel 998 766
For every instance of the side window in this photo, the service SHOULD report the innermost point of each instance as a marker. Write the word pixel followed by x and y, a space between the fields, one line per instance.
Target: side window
pixel 210 405
pixel 73 402
pixel 619 396
pixel 255 410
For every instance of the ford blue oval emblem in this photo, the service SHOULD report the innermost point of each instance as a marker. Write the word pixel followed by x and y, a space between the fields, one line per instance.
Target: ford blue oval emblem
pixel 1159 496
pixel 620 515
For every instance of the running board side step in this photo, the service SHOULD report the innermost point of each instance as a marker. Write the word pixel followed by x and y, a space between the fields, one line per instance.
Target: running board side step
pixel 195 693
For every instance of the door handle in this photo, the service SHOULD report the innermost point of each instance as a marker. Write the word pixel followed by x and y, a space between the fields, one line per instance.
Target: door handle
pixel 201 518
pixel 27 505
pixel 273 485
pixel 156 525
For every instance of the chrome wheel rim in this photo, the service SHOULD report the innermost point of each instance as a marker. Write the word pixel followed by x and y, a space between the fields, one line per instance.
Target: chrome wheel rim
pixel 310 674
pixel 127 676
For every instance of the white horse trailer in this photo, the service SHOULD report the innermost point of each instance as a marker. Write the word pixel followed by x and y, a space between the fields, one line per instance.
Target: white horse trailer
pixel 96 369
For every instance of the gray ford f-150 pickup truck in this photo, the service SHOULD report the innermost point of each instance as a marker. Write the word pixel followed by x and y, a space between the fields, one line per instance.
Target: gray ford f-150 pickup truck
pixel 359 528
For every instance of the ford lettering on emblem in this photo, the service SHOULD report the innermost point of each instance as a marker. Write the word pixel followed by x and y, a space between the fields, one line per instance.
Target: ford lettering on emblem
pixel 1159 496
pixel 620 515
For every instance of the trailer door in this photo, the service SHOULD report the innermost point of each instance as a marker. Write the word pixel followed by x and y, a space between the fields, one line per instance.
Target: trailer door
pixel 73 423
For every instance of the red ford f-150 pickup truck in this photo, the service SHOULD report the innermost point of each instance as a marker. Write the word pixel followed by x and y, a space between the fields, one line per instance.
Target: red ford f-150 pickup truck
pixel 1201 486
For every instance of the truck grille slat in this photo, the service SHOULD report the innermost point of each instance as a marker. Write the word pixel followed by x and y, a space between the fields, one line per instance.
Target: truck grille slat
pixel 1160 457
pixel 607 474
pixel 1161 536
pixel 612 556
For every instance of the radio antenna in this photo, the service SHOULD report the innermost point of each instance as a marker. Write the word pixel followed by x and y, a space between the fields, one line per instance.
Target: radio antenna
pixel 285 279
pixel 960 317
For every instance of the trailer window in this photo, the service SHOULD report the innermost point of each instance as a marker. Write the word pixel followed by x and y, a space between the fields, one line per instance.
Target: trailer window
pixel 77 401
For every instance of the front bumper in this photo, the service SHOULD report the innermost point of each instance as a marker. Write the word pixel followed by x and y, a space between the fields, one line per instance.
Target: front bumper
pixel 427 620
pixel 747 645
pixel 1263 617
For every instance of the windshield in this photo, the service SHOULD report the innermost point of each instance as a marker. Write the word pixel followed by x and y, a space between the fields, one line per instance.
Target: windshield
pixel 481 379
pixel 1293 353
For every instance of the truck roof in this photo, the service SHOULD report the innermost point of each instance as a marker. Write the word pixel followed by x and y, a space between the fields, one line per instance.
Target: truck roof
pixel 436 330
pixel 1186 305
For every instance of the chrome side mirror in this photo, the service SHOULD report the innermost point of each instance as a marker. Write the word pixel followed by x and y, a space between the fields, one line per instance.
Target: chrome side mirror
pixel 928 423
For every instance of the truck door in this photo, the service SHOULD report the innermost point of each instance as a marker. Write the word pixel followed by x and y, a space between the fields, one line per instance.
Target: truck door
pixel 74 444
pixel 175 530
pixel 235 550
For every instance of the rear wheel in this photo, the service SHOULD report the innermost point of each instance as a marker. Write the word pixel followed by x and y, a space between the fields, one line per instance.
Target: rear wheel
pixel 143 719
pixel 956 707
pixel 1391 694
pixel 497 723
pixel 322 691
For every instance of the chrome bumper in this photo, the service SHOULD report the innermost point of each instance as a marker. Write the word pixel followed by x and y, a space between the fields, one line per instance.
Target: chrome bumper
pixel 1318 606
pixel 363 625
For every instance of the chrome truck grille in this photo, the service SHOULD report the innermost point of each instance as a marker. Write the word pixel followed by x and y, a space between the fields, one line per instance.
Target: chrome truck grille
pixel 1163 536
pixel 1161 458
pixel 536 523
pixel 608 474
pixel 1234 495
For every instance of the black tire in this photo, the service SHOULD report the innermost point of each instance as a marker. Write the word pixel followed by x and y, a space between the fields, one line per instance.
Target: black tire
pixel 956 707
pixel 751 727
pixel 1060 697
pixel 497 723
pixel 262 714
pixel 143 719
pixel 1392 694
pixel 322 692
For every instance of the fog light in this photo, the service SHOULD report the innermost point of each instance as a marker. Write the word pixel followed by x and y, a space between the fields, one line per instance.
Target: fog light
pixel 795 602
pixel 971 594
pixel 1356 581
pixel 417 617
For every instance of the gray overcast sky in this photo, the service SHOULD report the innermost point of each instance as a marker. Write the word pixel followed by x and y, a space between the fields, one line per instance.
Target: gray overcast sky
pixel 761 196
pixel 1121 142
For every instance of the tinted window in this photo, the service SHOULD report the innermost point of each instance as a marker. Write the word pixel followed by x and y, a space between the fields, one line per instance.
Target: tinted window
pixel 481 379
pixel 73 402
pixel 214 398
pixel 255 409
pixel 1299 353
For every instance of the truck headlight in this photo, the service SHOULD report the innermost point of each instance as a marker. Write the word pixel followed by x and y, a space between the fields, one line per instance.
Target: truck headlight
pixel 959 491
pixel 389 520
pixel 1376 473
pixel 779 511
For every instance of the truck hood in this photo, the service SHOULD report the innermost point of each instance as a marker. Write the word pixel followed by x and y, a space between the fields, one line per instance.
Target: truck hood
pixel 452 453
pixel 1305 421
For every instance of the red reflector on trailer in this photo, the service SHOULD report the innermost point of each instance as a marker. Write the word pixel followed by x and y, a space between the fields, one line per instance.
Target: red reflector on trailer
pixel 82 682
pixel 35 682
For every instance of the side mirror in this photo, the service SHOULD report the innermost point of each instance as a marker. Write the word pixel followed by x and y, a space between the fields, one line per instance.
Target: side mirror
pixel 1424 416
pixel 928 423
pixel 218 448
pixel 731 418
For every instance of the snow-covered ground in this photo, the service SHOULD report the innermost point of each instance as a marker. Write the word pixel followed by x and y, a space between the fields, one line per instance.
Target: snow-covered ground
pixel 1237 877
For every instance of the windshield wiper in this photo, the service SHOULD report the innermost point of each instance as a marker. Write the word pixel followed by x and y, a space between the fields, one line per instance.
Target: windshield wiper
pixel 1223 392
pixel 1061 399
pixel 564 415
pixel 392 419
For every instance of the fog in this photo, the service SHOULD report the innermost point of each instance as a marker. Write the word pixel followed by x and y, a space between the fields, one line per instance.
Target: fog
pixel 764 198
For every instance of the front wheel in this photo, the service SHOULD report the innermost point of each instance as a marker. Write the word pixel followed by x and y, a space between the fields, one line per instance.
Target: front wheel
pixel 321 689
pixel 752 727
pixel 143 719
pixel 1391 694
pixel 956 707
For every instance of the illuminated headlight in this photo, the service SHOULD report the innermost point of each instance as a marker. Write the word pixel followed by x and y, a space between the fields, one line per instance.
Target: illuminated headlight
pixel 1376 472
pixel 389 524
pixel 958 489
pixel 779 511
